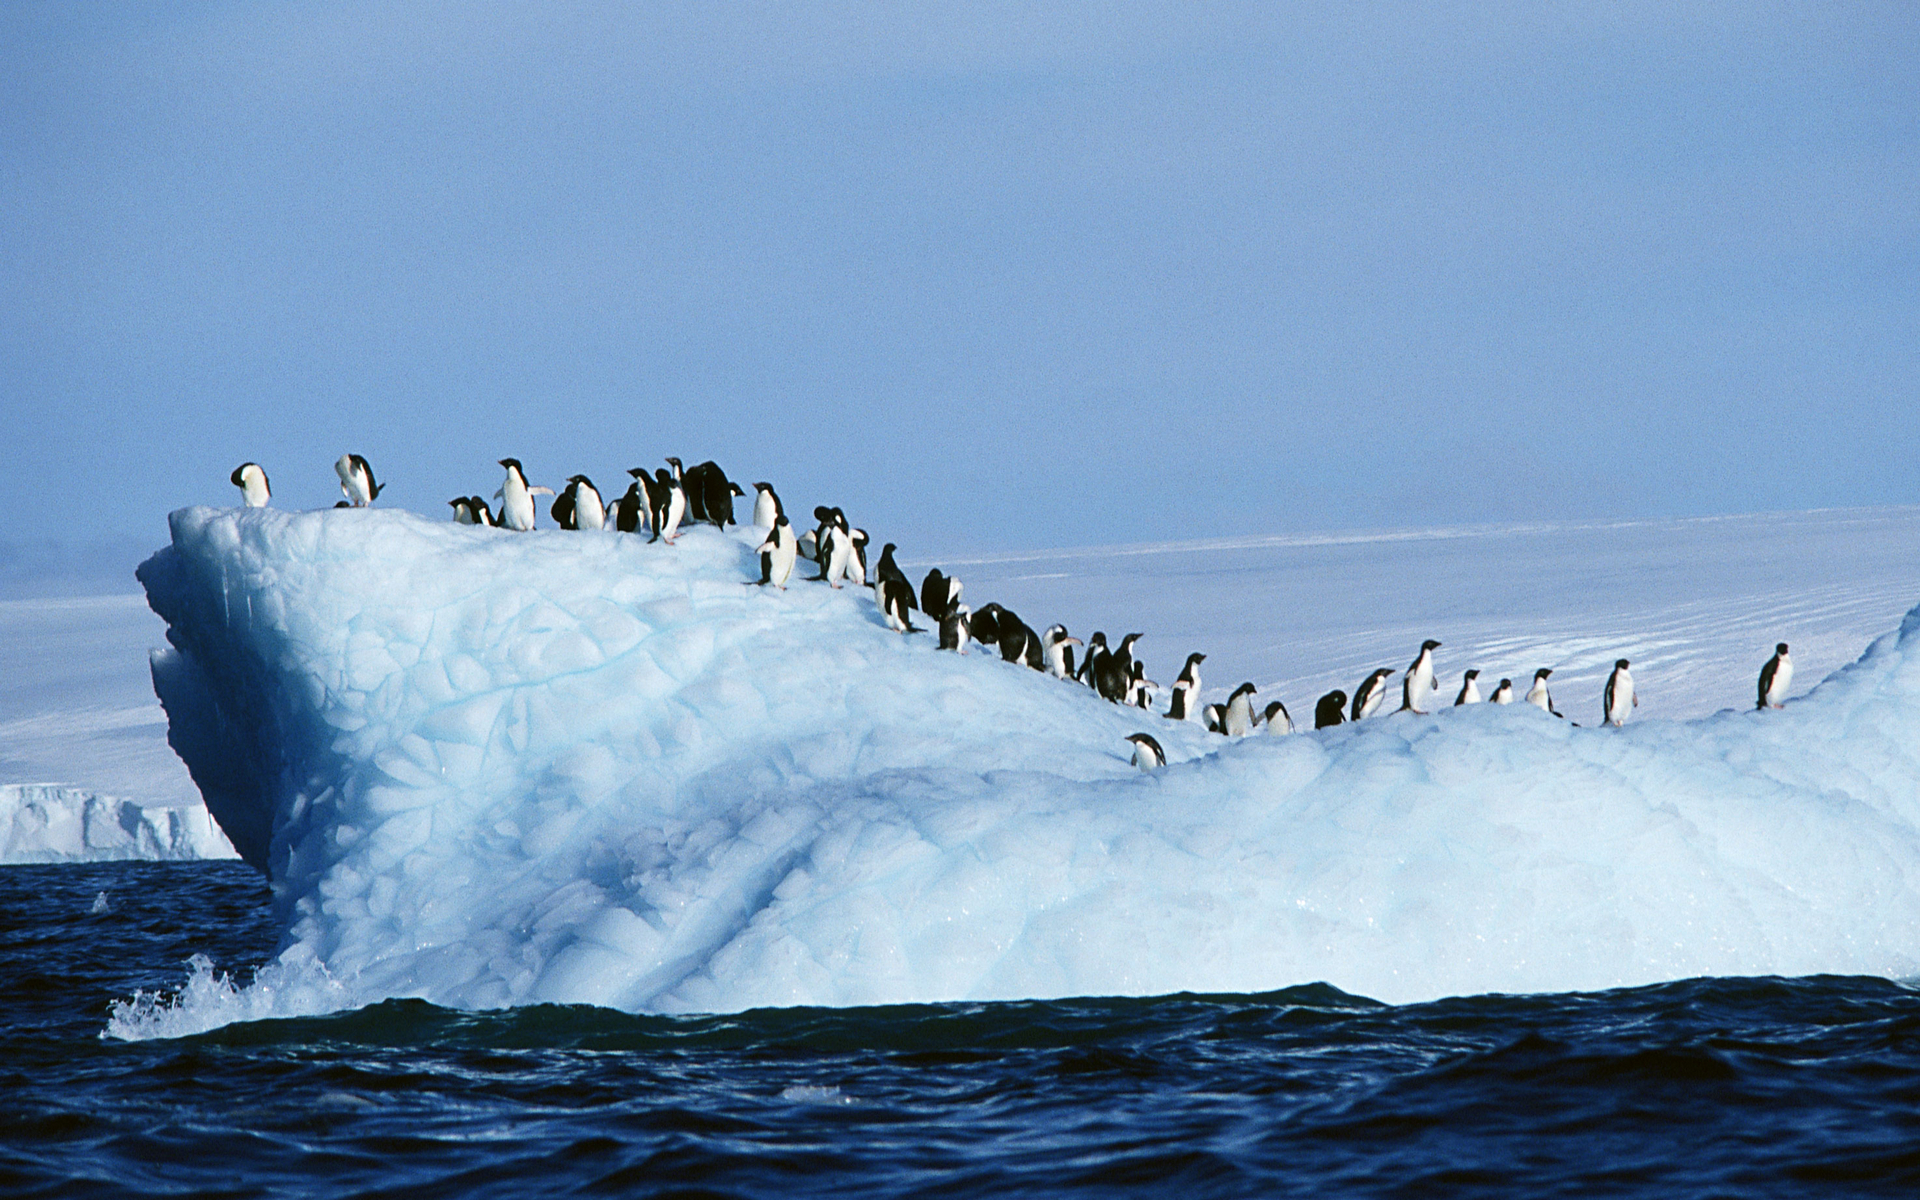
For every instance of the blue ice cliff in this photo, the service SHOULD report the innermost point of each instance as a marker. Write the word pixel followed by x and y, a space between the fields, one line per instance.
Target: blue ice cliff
pixel 486 768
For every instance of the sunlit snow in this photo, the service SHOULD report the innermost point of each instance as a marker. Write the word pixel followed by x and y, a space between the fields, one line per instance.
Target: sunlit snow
pixel 487 768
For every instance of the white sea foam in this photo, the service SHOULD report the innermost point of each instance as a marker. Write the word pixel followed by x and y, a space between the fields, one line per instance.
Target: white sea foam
pixel 487 769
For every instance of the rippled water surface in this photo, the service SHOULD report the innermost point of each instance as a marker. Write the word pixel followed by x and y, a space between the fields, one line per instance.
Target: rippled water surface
pixel 1705 1087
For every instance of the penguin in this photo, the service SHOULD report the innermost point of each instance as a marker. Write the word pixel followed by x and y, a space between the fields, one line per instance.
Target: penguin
pixel 825 520
pixel 1186 690
pixel 710 495
pixel 1058 648
pixel 673 503
pixel 777 554
pixel 954 630
pixel 356 480
pixel 633 509
pixel 1089 666
pixel 1140 689
pixel 694 481
pixel 482 515
pixel 809 546
pixel 834 554
pixel 857 556
pixel 1113 679
pixel 1371 694
pixel 1018 642
pixel 1775 678
pixel 1214 716
pixel 1537 694
pixel 463 511
pixel 1278 719
pixel 583 507
pixel 984 625
pixel 938 593
pixel 1618 701
pixel 766 506
pixel 896 604
pixel 1419 679
pixel 1503 694
pixel 887 571
pixel 516 497
pixel 252 482
pixel 1331 710
pixel 1147 754
pixel 1469 689
pixel 1237 718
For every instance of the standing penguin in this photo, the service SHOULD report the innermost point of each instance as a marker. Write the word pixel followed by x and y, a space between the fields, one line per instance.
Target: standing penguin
pixel 777 554
pixel 887 571
pixel 632 510
pixel 1419 679
pixel 588 510
pixel 710 494
pixel 356 480
pixel 516 497
pixel 672 496
pixel 1278 719
pixel 1237 720
pixel 938 593
pixel 1090 665
pixel 1147 754
pixel 252 482
pixel 1775 678
pixel 1331 710
pixel 835 553
pixel 463 513
pixel 1371 694
pixel 826 519
pixel 954 628
pixel 1618 700
pixel 1058 649
pixel 1186 690
pixel 766 506
pixel 1140 689
pixel 896 604
pixel 857 555
pixel 1537 694
pixel 1469 689
pixel 1503 694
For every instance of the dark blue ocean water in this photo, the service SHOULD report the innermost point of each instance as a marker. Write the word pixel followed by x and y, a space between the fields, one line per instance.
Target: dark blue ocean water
pixel 1760 1087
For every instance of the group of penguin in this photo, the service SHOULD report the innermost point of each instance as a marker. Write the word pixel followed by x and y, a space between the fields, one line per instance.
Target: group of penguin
pixel 660 501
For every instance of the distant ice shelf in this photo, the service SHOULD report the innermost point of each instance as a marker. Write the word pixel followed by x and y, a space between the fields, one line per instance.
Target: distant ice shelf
pixel 50 823
pixel 487 768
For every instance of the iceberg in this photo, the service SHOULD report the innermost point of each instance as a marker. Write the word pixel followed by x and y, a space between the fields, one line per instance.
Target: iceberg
pixel 52 823
pixel 486 768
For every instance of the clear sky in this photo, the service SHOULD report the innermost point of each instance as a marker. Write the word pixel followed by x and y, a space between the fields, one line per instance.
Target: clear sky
pixel 986 275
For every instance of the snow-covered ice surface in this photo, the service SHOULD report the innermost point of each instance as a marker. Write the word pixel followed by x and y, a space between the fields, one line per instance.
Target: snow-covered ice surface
pixel 1696 604
pixel 44 823
pixel 489 769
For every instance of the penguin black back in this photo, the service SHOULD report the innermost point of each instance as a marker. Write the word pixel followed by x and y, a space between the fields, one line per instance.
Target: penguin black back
pixel 1331 710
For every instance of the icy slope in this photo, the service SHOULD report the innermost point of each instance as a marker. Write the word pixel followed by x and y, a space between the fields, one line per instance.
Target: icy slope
pixel 487 769
pixel 44 823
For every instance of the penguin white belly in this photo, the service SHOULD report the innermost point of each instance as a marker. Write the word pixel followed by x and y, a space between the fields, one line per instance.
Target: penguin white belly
pixel 588 512
pixel 1418 683
pixel 1469 692
pixel 763 511
pixel 1782 679
pixel 782 554
pixel 676 509
pixel 839 555
pixel 1537 696
pixel 516 507
pixel 1619 698
pixel 1238 719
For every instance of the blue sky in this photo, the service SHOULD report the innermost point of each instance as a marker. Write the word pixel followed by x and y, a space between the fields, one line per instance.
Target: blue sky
pixel 986 275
